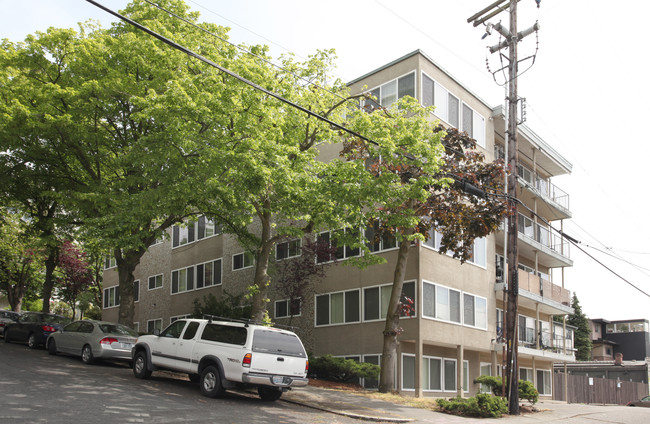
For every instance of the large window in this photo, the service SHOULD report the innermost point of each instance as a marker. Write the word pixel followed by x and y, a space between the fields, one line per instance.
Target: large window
pixel 288 249
pixel 379 240
pixel 337 308
pixel 390 92
pixel 208 274
pixel 193 231
pixel 376 299
pixel 544 382
pixel 183 280
pixel 478 255
pixel 438 374
pixel 474 311
pixel 444 303
pixel 329 238
pixel 111 297
pixel 448 108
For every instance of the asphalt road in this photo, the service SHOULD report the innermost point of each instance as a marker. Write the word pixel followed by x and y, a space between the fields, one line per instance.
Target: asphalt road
pixel 38 388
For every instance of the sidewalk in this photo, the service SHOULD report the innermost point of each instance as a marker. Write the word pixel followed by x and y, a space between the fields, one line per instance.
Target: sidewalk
pixel 365 408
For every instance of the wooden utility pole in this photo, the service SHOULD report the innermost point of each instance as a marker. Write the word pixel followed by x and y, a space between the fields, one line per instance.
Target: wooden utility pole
pixel 511 38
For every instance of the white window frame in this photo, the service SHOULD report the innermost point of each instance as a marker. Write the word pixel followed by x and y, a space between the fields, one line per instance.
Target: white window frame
pixel 190 272
pixel 296 248
pixel 156 286
pixel 154 321
pixel 213 274
pixel 382 247
pixel 476 310
pixel 109 262
pixel 245 255
pixel 288 306
pixel 484 388
pixel 329 303
pixel 550 381
pixel 177 317
pixel 395 82
pixel 136 282
pixel 115 290
pixel 383 303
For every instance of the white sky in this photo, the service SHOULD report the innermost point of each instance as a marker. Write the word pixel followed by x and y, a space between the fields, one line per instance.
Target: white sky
pixel 585 96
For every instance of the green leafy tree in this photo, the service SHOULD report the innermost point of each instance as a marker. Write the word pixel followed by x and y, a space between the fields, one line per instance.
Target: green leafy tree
pixel 582 339
pixel 135 130
pixel 20 259
pixel 425 185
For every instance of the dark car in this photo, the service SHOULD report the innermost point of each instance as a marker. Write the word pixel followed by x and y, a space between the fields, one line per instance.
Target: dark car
pixel 6 318
pixel 93 340
pixel 643 402
pixel 34 328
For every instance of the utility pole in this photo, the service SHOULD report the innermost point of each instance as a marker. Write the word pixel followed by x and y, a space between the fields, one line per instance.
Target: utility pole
pixel 511 38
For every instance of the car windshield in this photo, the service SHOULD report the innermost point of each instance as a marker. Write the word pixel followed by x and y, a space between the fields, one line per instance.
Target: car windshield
pixel 118 329
pixel 56 319
pixel 270 341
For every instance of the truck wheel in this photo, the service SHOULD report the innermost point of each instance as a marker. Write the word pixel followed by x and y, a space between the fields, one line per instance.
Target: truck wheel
pixel 140 365
pixel 211 382
pixel 269 394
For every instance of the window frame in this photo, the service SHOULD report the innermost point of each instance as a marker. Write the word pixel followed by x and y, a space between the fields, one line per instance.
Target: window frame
pixel 244 255
pixel 213 274
pixel 297 247
pixel 343 306
pixel 156 286
pixel 382 314
pixel 154 321
pixel 106 301
pixel 190 280
pixel 288 308
pixel 381 96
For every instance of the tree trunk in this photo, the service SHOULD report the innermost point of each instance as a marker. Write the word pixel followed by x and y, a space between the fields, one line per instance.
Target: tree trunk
pixel 392 329
pixel 48 284
pixel 15 297
pixel 125 267
pixel 261 281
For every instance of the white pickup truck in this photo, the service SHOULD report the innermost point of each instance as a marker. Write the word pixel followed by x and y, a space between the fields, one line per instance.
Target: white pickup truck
pixel 224 355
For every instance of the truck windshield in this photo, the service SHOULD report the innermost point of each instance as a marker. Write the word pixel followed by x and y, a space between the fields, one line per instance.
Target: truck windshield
pixel 281 343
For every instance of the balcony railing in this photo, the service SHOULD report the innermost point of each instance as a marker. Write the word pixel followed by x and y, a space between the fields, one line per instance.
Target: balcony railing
pixel 548 340
pixel 543 235
pixel 544 186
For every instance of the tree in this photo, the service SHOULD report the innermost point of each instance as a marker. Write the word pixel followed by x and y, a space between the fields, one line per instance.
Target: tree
pixel 20 259
pixel 427 198
pixel 582 340
pixel 129 129
pixel 74 274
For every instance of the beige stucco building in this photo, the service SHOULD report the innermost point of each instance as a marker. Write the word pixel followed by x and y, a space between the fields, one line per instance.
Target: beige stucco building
pixel 455 335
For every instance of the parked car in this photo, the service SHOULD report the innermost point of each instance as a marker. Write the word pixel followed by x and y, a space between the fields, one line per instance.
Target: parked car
pixel 6 318
pixel 93 340
pixel 34 328
pixel 223 355
pixel 642 402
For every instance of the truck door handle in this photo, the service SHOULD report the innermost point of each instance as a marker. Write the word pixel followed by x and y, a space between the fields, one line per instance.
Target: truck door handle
pixel 280 359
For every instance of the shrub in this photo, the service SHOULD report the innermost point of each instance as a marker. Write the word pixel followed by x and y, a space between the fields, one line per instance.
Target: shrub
pixel 483 405
pixel 328 367
pixel 526 389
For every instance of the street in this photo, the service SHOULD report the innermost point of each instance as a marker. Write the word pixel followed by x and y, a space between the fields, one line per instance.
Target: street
pixel 38 388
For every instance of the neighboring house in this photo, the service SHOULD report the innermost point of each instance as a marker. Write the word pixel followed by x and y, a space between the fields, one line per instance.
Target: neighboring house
pixel 635 371
pixel 630 338
pixel 455 334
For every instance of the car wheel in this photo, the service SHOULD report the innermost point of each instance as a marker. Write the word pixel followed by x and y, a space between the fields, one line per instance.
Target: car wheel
pixel 51 347
pixel 269 394
pixel 87 355
pixel 31 341
pixel 194 378
pixel 140 365
pixel 211 382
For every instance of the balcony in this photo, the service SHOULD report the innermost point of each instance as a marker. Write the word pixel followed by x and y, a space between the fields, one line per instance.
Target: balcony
pixel 555 201
pixel 551 248
pixel 535 291
pixel 543 343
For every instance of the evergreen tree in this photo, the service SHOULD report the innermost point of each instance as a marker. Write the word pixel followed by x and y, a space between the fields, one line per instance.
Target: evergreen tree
pixel 582 333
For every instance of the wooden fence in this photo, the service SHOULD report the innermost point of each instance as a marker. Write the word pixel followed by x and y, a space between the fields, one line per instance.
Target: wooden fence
pixel 582 389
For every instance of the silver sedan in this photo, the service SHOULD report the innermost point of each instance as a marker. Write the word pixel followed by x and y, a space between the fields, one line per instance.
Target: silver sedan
pixel 93 340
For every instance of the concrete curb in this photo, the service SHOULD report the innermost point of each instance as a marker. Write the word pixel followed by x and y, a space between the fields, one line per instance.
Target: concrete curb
pixel 350 414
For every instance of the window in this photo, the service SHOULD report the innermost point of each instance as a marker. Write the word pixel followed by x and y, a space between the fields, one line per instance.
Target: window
pixel 337 308
pixel 449 375
pixel 380 240
pixel 486 369
pixel 206 228
pixel 155 281
pixel 286 308
pixel 474 311
pixel 176 318
pixel 544 382
pixel 432 374
pixel 174 330
pixel 371 383
pixel 111 297
pixel 225 334
pixel 183 234
pixel 329 238
pixel 288 249
pixel 408 372
pixel 438 374
pixel 376 299
pixel 154 324
pixel 448 109
pixel 479 252
pixel 242 261
pixel 208 274
pixel 434 239
pixel 109 262
pixel 183 280
pixel 526 331
pixel 389 93
pixel 447 305
pixel 136 291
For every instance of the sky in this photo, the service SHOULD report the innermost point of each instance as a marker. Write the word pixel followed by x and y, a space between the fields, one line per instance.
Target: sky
pixel 586 95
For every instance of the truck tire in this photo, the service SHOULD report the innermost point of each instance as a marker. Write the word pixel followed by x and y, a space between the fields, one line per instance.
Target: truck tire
pixel 210 382
pixel 141 365
pixel 269 394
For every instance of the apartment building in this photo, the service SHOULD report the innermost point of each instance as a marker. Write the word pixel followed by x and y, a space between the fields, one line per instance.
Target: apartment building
pixel 455 332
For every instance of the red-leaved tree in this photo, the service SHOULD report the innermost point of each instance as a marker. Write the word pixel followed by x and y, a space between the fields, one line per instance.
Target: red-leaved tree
pixel 74 274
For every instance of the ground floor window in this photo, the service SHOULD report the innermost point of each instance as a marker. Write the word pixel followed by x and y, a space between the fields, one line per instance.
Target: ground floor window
pixel 544 382
pixel 154 324
pixel 438 374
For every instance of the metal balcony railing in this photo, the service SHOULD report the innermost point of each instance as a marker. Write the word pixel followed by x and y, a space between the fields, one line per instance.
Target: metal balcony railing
pixel 543 235
pixel 544 186
pixel 548 340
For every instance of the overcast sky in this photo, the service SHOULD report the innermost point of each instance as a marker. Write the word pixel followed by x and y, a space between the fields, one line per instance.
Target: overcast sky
pixel 587 96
